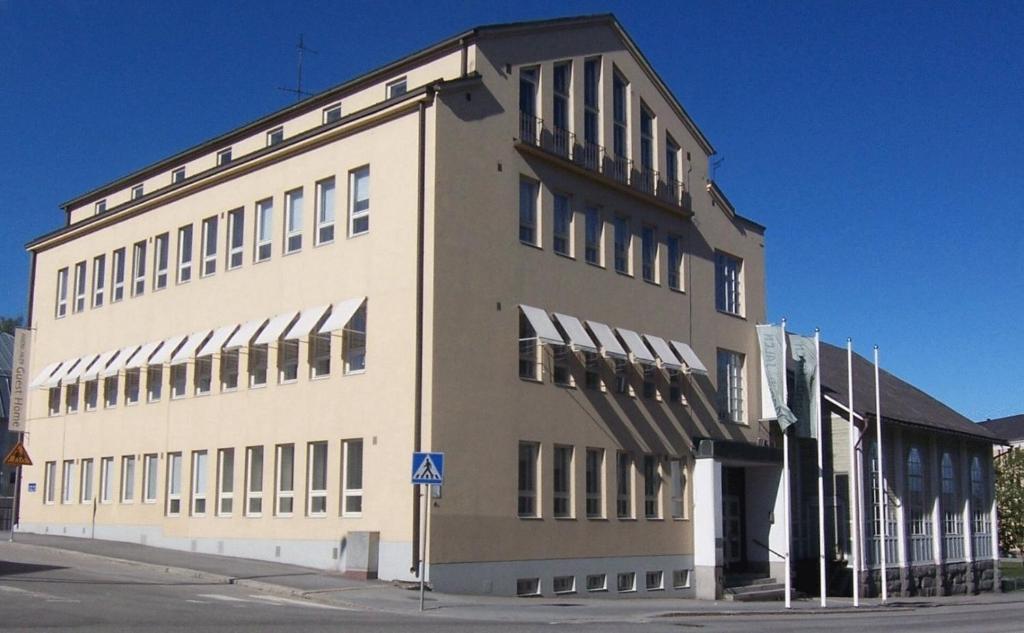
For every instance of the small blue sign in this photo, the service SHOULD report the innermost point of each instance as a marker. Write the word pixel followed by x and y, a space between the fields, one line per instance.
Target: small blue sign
pixel 427 468
pixel 32 487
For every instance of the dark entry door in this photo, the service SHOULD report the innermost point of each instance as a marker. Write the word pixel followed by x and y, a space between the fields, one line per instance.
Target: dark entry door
pixel 733 518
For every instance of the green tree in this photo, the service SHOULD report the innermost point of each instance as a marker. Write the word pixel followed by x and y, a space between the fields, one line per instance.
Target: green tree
pixel 1010 499
pixel 7 324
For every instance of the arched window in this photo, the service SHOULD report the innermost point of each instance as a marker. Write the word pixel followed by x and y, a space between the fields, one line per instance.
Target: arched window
pixel 952 513
pixel 920 521
pixel 981 526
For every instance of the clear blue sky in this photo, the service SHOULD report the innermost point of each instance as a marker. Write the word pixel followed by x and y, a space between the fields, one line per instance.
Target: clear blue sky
pixel 881 143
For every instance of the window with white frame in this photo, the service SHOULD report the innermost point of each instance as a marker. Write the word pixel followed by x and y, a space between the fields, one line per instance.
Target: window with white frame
pixel 597 582
pixel 563 584
pixel 285 480
pixel 352 478
pixel 654 580
pixel 595 483
pixel 316 478
pixel 71 398
pixel 677 468
pixel 80 286
pixel 154 383
pixel 396 88
pixel 561 76
pixel 62 293
pixel 264 230
pixel 671 170
pixel 562 482
pixel 325 211
pixel 675 262
pixel 224 156
pixel 332 113
pixel 107 479
pixel 681 579
pixel 161 245
pixel 67 483
pixel 179 374
pixel 561 366
pixel 293 221
pixel 209 246
pixel 110 392
pixel 236 237
pixel 178 175
pixel 53 402
pixel 137 192
pixel 117 269
pixel 150 483
pixel 100 207
pixel 173 484
pixel 225 481
pixel 593 233
pixel 320 355
pixel 132 385
pixel 530 350
pixel 92 394
pixel 649 253
pixel 359 201
pixel 623 485
pixel 99 279
pixel 203 375
pixel 623 242
pixel 185 254
pixel 620 117
pixel 254 481
pixel 730 386
pixel 229 370
pixel 561 231
pixel 728 283
pixel 529 193
pixel 275 136
pixel 646 148
pixel 529 462
pixel 87 478
pixel 50 483
pixel 354 342
pixel 128 479
pixel 591 108
pixel 139 269
pixel 627 581
pixel 199 476
pixel 258 365
pixel 652 487
pixel 288 361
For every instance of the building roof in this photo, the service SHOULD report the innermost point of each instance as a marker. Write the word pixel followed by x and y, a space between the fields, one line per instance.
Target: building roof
pixel 1010 428
pixel 901 401
pixel 6 364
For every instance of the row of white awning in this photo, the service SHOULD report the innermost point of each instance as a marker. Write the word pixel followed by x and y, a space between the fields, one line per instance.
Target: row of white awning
pixel 620 343
pixel 291 325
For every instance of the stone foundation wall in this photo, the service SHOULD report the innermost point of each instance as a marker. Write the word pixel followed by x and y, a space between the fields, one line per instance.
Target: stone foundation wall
pixel 946 579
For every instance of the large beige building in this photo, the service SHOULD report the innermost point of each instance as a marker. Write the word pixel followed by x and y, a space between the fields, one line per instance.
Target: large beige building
pixel 505 247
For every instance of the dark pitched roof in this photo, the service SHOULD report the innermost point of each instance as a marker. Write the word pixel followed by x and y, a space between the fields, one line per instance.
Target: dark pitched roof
pixel 901 401
pixel 1010 428
pixel 6 363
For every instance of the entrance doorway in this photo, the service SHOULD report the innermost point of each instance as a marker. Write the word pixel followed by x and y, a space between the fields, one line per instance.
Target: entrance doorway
pixel 733 519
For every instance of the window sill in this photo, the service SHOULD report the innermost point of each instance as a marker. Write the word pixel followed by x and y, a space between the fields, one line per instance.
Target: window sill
pixel 149 502
pixel 201 394
pixel 624 273
pixel 295 252
pixel 182 283
pixel 351 515
pixel 255 515
pixel 598 518
pixel 564 518
pixel 530 518
pixel 734 315
pixel 319 377
pixel 226 515
pixel 596 264
pixel 228 389
pixel 536 381
pixel 657 519
pixel 677 290
pixel 360 234
pixel 259 386
pixel 532 245
pixel 652 282
pixel 284 516
pixel 132 404
pixel 316 516
pixel 327 243
pixel 179 397
pixel 357 372
pixel 261 261
pixel 565 255
pixel 633 519
pixel 290 381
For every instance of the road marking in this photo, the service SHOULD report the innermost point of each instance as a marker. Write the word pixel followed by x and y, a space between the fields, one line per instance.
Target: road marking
pixel 217 596
pixel 37 594
pixel 299 603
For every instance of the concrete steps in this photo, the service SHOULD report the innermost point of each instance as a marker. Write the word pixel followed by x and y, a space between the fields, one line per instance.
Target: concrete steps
pixel 750 588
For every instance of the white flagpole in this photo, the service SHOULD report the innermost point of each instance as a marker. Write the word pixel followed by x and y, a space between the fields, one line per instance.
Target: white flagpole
pixel 853 478
pixel 821 470
pixel 785 476
pixel 881 484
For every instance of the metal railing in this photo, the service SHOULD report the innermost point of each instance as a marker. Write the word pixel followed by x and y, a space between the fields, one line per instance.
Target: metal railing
pixel 529 128
pixel 619 168
pixel 646 180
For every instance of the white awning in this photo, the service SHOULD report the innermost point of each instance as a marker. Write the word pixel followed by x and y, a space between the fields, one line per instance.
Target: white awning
pixel 188 350
pixel 665 354
pixel 60 372
pixel 542 325
pixel 275 328
pixel 141 357
pixel 163 354
pixel 578 336
pixel 216 342
pixel 636 346
pixel 43 375
pixel 120 361
pixel 606 338
pixel 341 314
pixel 689 357
pixel 99 366
pixel 243 336
pixel 307 319
pixel 79 369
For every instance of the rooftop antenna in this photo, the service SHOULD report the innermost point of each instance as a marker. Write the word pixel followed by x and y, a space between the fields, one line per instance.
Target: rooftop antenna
pixel 714 166
pixel 297 90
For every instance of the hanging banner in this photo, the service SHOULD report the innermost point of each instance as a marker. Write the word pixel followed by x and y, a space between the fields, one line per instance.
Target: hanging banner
pixel 19 381
pixel 805 373
pixel 774 362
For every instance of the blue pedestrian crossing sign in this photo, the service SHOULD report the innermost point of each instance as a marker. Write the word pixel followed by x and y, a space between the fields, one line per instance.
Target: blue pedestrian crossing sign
pixel 427 468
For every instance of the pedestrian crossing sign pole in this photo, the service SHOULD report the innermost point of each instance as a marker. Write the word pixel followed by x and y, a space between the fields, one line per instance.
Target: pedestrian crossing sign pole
pixel 427 470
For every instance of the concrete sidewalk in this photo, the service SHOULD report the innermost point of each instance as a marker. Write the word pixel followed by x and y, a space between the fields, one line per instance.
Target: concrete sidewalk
pixel 335 590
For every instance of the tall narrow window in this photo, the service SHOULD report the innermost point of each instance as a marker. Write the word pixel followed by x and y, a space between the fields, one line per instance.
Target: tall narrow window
pixel 264 229
pixel 591 112
pixel 173 484
pixel 649 253
pixel 623 240
pixel 67 484
pixel 678 474
pixel 675 262
pixel 110 392
pixel 620 117
pixel 161 244
pixel 185 254
pixel 128 479
pixel 225 481
pixel 293 221
pixel 562 481
pixel 624 486
pixel 595 483
pixel 107 480
pixel 209 246
pixel 528 192
pixel 561 76
pixel 646 149
pixel 92 389
pixel 354 342
pixel 352 478
pixel 154 383
pixel 150 466
pixel 528 78
pixel 87 479
pixel 139 269
pixel 131 386
pixel 258 365
pixel 199 476
pixel 919 519
pixel 179 374
pixel 952 511
pixel 529 452
pixel 981 516
pixel 236 237
pixel 320 355
pixel 652 487
pixel 254 481
pixel 71 398
pixel 99 279
pixel 728 291
pixel 80 285
pixel 325 211
pixel 562 230
pixel 285 479
pixel 287 361
pixel 730 386
pixel 316 459
pixel 202 381
pixel 229 359
pixel 530 359
pixel 672 175
pixel 359 201
pixel 117 267
pixel 50 482
pixel 62 293
pixel 594 233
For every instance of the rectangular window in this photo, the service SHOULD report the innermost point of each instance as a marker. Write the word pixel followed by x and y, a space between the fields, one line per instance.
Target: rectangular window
pixel 359 201
pixel 225 481
pixel 71 398
pixel 619 117
pixel 178 175
pixel 678 473
pixel 649 252
pixel 647 147
pixel 87 477
pixel 352 478
pixel 728 276
pixel 563 584
pixel 654 580
pixel 320 355
pixel 150 464
pixel 92 394
pixel 624 486
pixel 652 487
pixel 62 292
pixel 591 106
pixel 179 374
pixel 128 479
pixel 117 267
pixel 203 378
pixel 562 497
pixel 100 207
pixel 67 483
pixel 54 401
pixel 285 480
pixel 293 221
pixel 161 244
pixel 528 192
pixel 675 262
pixel 627 581
pixel 528 81
pixel 530 359
pixel 173 484
pixel 594 233
pixel 209 246
pixel 137 192
pixel 131 386
pixel 527 586
pixel 80 286
pixel 185 254
pixel 50 482
pixel 99 279
pixel 597 582
pixel 562 229
pixel 562 139
pixel 681 579
pixel 139 269
pixel 396 88
pixel 332 113
pixel 236 237
pixel 287 361
pixel 529 453
pixel 110 392
pixel 107 480
pixel 264 228
pixel 229 370
pixel 671 162
pixel 561 368
pixel 254 481
pixel 730 386
pixel 325 211
pixel 275 136
pixel 316 460
pixel 354 342
pixel 224 157
pixel 199 475
pixel 595 483
pixel 623 241
pixel 154 383
pixel 258 365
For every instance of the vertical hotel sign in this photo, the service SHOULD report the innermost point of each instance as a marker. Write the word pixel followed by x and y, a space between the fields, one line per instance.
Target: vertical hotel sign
pixel 19 381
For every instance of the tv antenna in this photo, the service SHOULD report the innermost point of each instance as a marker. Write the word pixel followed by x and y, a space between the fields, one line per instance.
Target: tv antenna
pixel 297 90
pixel 715 165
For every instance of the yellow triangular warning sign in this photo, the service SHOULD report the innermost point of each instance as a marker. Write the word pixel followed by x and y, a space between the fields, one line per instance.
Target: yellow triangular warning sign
pixel 18 456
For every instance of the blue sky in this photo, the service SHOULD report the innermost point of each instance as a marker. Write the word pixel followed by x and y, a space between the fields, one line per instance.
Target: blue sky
pixel 881 143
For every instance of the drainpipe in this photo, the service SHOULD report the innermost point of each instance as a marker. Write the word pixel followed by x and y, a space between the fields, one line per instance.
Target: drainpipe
pixel 465 57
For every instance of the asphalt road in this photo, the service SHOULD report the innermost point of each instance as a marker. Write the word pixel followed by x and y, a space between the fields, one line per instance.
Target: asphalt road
pixel 53 590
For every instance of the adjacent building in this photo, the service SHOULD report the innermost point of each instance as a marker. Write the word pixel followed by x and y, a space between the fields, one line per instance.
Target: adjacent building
pixel 1009 429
